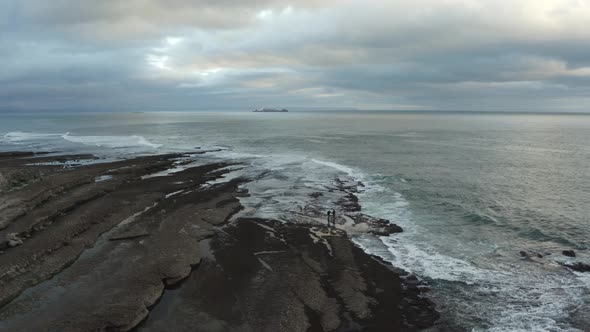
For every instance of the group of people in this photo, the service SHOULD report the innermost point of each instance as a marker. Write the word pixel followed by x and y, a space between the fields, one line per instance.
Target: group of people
pixel 332 217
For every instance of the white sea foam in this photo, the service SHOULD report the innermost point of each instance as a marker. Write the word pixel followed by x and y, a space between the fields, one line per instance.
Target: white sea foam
pixel 234 173
pixel 23 136
pixel 112 141
pixel 134 216
pixel 428 263
pixel 173 193
pixel 166 172
pixel 174 169
pixel 17 137
pixel 102 178
pixel 534 296
pixel 530 300
pixel 345 169
pixel 285 185
pixel 74 163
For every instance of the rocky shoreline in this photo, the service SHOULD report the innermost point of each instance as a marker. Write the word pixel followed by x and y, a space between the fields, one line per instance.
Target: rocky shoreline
pixel 93 245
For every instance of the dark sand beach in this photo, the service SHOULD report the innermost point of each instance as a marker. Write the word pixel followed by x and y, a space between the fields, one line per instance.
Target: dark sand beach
pixel 98 245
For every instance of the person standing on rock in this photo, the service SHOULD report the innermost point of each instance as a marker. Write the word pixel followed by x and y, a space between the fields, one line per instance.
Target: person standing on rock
pixel 334 217
pixel 329 217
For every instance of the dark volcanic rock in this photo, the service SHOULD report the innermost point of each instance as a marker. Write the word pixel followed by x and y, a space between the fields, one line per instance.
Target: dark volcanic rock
pixel 129 234
pixel 569 253
pixel 349 203
pixel 530 254
pixel 364 223
pixel 387 224
pixel 101 256
pixel 387 230
pixel 65 221
pixel 291 277
pixel 580 267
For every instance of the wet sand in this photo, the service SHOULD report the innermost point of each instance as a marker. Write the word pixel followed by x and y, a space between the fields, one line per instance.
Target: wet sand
pixel 91 245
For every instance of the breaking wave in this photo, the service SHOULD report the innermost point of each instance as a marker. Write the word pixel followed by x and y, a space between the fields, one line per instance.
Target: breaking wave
pixel 112 141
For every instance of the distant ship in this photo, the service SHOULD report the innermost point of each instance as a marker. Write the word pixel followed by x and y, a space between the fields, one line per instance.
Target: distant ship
pixel 264 109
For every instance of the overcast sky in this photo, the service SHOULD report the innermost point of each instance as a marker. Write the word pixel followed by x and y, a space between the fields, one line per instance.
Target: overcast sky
pixel 158 55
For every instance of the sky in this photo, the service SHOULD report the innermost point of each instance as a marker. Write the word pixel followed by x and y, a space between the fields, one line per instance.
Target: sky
pixel 179 55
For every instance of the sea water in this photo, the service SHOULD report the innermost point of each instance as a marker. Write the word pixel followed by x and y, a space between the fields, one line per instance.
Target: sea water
pixel 471 190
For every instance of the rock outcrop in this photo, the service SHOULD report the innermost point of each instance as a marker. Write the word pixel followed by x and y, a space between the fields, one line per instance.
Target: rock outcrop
pixel 569 253
pixel 159 253
pixel 580 267
pixel 270 110
pixel 291 277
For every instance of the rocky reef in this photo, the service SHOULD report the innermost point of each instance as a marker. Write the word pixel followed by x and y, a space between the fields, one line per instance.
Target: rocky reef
pixel 90 245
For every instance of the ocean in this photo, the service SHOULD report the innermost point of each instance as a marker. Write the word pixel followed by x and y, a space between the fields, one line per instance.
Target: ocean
pixel 471 191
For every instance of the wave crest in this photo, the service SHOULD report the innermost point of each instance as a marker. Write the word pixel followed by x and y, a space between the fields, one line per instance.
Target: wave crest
pixel 112 141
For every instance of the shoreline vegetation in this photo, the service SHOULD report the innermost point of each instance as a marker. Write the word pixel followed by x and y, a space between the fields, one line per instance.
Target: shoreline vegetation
pixel 96 245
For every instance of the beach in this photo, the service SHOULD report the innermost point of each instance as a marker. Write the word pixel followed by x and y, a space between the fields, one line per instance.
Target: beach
pixel 157 243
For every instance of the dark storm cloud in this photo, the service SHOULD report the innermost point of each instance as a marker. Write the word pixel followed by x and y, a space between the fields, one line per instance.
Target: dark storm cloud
pixel 182 55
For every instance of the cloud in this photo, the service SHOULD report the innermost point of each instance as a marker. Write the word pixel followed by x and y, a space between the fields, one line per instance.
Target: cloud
pixel 181 54
pixel 115 20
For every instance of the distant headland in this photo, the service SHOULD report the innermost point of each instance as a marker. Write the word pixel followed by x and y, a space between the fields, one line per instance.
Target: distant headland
pixel 264 109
